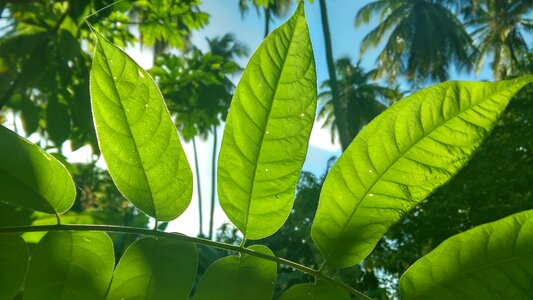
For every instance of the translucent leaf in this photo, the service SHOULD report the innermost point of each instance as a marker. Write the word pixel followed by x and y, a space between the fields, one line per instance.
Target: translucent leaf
pixel 320 291
pixel 245 277
pixel 399 159
pixel 136 135
pixel 155 269
pixel 14 262
pixel 32 178
pixel 491 261
pixel 70 265
pixel 267 131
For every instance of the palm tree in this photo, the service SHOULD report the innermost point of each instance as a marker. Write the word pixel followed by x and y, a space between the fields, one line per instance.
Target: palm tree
pixel 340 118
pixel 497 31
pixel 424 38
pixel 272 8
pixel 359 98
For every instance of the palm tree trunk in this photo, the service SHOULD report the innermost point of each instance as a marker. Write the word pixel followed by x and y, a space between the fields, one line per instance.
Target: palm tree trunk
pixel 267 21
pixel 340 119
pixel 199 190
pixel 213 181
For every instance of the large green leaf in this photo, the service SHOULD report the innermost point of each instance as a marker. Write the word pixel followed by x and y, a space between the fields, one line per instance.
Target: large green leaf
pixel 319 291
pixel 70 265
pixel 155 269
pixel 399 159
pixel 491 261
pixel 136 135
pixel 267 131
pixel 244 277
pixel 32 178
pixel 14 262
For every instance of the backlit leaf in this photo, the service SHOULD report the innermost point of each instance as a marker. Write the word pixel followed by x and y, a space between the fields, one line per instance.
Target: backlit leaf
pixel 155 269
pixel 320 291
pixel 70 265
pixel 399 159
pixel 137 138
pixel 267 131
pixel 491 261
pixel 32 178
pixel 245 277
pixel 14 262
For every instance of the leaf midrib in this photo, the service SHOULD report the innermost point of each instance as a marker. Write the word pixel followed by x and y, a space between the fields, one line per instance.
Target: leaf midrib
pixel 397 159
pixel 115 89
pixel 276 87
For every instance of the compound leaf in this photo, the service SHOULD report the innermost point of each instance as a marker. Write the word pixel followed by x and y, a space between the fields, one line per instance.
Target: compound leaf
pixel 267 131
pixel 399 159
pixel 155 269
pixel 136 135
pixel 32 178
pixel 70 265
pixel 245 277
pixel 491 261
pixel 14 262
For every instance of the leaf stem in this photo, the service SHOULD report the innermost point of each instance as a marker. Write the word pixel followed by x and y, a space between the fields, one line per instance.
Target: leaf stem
pixel 185 238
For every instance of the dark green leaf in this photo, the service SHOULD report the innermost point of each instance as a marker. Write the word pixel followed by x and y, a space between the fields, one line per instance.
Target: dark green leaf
pixel 491 261
pixel 70 265
pixel 320 291
pixel 30 115
pixel 245 277
pixel 57 121
pixel 155 269
pixel 14 262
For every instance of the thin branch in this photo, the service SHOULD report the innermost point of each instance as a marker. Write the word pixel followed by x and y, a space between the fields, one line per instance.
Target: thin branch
pixel 185 238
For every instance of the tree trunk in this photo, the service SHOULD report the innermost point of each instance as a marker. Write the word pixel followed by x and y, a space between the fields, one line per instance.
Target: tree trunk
pixel 267 21
pixel 340 120
pixel 199 190
pixel 213 181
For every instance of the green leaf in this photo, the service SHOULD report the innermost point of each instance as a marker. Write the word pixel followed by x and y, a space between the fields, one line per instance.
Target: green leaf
pixel 320 291
pixel 267 131
pixel 491 261
pixel 69 47
pixel 399 159
pixel 30 115
pixel 32 178
pixel 136 135
pixel 14 262
pixel 57 121
pixel 245 277
pixel 155 269
pixel 70 265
